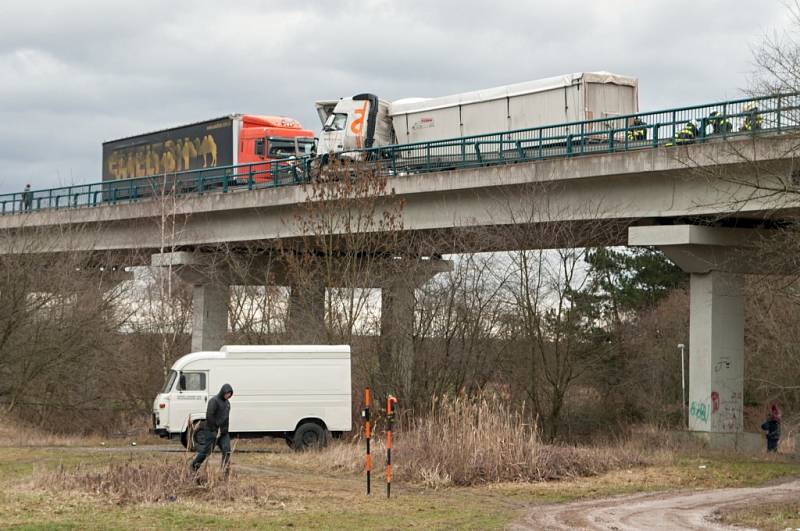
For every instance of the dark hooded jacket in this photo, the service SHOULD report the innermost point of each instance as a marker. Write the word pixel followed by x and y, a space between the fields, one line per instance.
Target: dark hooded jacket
pixel 218 411
pixel 773 423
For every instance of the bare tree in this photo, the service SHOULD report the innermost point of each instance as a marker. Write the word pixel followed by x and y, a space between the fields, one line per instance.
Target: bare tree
pixel 60 316
pixel 458 337
pixel 350 228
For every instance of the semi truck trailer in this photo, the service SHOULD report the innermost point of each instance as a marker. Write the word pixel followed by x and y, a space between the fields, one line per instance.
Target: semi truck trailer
pixel 366 121
pixel 224 141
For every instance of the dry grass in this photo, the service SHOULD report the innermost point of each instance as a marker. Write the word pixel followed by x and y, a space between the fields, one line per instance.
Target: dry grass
pixel 771 516
pixel 474 441
pixel 137 481
pixel 14 433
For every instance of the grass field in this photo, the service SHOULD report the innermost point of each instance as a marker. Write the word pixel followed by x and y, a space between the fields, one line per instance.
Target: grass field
pixel 768 517
pixel 272 487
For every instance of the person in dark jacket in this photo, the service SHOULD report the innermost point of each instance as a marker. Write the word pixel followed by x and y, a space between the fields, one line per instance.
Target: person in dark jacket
pixel 773 427
pixel 27 198
pixel 216 430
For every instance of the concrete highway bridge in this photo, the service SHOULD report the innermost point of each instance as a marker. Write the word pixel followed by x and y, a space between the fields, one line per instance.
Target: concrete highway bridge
pixel 706 201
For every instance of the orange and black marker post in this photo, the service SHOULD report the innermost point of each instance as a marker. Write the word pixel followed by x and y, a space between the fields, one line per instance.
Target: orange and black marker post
pixel 367 435
pixel 389 421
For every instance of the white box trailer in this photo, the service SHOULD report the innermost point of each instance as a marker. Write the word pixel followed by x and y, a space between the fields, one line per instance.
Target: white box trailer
pixel 365 121
pixel 556 100
pixel 295 392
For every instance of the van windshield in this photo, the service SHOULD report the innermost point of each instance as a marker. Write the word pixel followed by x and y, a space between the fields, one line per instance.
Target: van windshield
pixel 170 381
pixel 336 122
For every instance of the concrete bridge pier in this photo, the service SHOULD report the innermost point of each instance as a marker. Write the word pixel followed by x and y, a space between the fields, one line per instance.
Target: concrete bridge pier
pixel 716 352
pixel 305 321
pixel 209 315
pixel 210 295
pixel 397 335
pixel 716 259
pixel 397 319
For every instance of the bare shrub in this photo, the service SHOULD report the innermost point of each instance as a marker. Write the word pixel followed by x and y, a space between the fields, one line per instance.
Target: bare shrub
pixel 468 441
pixel 134 482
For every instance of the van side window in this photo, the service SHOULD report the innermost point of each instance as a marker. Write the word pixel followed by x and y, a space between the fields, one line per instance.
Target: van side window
pixel 192 381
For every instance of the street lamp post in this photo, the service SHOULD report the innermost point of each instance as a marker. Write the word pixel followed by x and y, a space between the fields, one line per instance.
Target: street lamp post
pixel 683 384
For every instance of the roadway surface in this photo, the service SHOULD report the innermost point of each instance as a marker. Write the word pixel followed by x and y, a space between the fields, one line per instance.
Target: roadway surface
pixel 676 510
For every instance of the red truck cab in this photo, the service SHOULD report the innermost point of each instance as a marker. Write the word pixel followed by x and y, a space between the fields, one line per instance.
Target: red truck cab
pixel 265 138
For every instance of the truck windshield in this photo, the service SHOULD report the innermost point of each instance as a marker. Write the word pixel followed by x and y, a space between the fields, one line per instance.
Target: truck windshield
pixel 170 380
pixel 283 148
pixel 336 122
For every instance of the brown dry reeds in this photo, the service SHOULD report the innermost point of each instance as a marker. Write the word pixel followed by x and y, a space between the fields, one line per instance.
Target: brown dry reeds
pixel 134 482
pixel 468 441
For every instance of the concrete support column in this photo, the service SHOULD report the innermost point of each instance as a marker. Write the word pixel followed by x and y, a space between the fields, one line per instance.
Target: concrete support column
pixel 306 316
pixel 716 352
pixel 209 316
pixel 397 329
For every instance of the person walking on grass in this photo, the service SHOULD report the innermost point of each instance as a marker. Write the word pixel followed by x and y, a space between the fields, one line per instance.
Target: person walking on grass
pixel 215 430
pixel 773 427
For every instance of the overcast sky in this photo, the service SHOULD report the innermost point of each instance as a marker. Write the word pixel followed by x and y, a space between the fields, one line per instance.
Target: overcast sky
pixel 74 73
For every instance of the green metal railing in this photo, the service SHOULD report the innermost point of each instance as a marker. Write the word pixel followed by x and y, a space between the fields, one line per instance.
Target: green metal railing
pixel 773 114
pixel 750 116
pixel 271 173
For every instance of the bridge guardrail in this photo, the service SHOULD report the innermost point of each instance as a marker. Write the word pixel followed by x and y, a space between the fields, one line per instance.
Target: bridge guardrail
pixel 747 116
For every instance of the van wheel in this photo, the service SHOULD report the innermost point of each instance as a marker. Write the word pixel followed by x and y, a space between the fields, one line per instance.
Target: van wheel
pixel 289 442
pixel 189 437
pixel 309 436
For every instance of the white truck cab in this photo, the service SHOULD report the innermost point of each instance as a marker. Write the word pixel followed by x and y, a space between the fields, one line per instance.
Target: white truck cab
pixel 354 123
pixel 296 392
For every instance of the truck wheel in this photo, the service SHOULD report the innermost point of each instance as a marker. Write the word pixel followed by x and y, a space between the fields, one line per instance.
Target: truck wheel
pixel 309 436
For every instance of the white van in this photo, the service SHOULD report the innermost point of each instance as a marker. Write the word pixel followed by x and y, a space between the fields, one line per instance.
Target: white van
pixel 295 392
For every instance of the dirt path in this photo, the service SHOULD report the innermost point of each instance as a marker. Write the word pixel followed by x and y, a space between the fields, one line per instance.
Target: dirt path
pixel 676 510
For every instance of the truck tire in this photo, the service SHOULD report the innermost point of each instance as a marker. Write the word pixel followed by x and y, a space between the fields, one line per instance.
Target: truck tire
pixel 310 436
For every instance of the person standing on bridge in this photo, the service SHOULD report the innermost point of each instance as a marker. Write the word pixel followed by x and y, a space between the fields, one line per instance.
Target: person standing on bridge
pixel 719 124
pixel 687 135
pixel 773 427
pixel 215 430
pixel 752 120
pixel 27 198
pixel 638 130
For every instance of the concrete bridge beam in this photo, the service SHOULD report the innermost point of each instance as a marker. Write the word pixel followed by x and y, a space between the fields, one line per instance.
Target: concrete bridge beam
pixel 307 304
